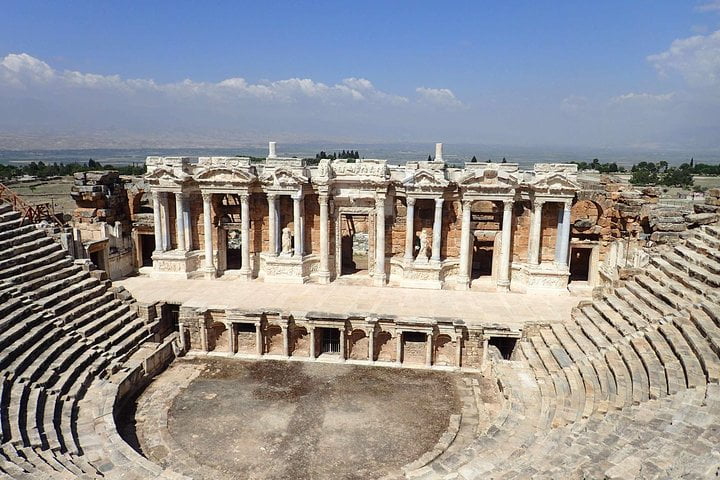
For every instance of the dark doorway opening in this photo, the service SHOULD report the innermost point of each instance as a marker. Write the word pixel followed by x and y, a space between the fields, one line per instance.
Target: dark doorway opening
pixel 414 337
pixel 506 346
pixel 482 258
pixel 173 313
pixel 147 247
pixel 580 264
pixel 245 327
pixel 233 252
pixel 97 259
pixel 329 340
pixel 354 244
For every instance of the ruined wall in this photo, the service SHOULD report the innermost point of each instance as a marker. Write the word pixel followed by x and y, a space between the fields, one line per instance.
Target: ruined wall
pixel 522 212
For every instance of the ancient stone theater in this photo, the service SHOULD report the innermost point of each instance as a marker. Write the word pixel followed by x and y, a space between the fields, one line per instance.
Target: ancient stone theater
pixel 279 317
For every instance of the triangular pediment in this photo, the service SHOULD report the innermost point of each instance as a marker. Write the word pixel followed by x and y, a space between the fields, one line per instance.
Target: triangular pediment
pixel 555 181
pixel 488 177
pixel 166 175
pixel 425 179
pixel 225 175
pixel 283 177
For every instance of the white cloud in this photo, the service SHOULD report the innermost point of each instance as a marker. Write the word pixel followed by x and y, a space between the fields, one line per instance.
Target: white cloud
pixel 712 6
pixel 696 58
pixel 574 104
pixel 25 71
pixel 645 98
pixel 442 97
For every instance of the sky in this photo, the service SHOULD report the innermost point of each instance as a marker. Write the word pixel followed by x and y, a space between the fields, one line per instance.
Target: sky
pixel 635 74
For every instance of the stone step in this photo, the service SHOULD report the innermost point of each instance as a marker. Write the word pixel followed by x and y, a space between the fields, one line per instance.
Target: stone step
pixel 579 337
pixel 626 311
pixel 570 346
pixel 655 372
pixel 613 318
pixel 545 384
pixel 607 329
pixel 639 306
pixel 679 275
pixel 705 355
pixel 638 376
pixel 40 270
pixel 17 338
pixel 91 290
pixel 106 325
pixel 45 257
pixel 590 330
pixel 650 299
pixel 92 301
pixel 66 294
pixel 694 375
pixel 20 261
pixel 702 237
pixel 5 207
pixel 13 228
pixel 698 244
pixel 709 329
pixel 53 285
pixel 679 291
pixel 705 261
pixel 623 379
pixel 663 294
pixel 27 237
pixel 61 273
pixel 674 374
pixel 693 270
pixel 712 230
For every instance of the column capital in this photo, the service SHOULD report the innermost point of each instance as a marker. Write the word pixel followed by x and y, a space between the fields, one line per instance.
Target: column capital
pixel 180 194
pixel 538 203
pixel 467 203
pixel 206 196
pixel 508 204
pixel 155 194
pixel 439 201
pixel 245 197
pixel 297 196
pixel 567 204
pixel 324 197
pixel 410 201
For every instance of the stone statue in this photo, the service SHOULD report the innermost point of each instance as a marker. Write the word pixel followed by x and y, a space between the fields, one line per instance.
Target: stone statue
pixel 424 252
pixel 286 241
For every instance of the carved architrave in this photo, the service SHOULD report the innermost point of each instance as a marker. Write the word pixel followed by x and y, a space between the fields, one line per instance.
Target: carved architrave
pixel 489 180
pixel 283 177
pixel 555 183
pixel 218 176
pixel 426 180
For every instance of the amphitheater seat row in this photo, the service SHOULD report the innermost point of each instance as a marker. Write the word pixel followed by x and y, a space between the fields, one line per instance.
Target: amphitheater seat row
pixel 60 330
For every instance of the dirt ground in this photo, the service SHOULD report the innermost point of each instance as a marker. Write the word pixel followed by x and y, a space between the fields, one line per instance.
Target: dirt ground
pixel 285 420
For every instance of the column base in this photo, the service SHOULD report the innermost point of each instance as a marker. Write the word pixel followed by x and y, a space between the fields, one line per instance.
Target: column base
pixel 323 278
pixel 379 279
pixel 503 286
pixel 463 283
pixel 209 273
pixel 245 274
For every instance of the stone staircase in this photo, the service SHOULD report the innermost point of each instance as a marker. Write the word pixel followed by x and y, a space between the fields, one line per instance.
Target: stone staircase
pixel 62 334
pixel 627 388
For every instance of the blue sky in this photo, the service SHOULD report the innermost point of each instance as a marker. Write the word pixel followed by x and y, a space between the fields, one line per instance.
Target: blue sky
pixel 625 73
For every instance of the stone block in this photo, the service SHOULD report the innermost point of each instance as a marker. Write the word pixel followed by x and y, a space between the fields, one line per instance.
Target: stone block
pixel 669 227
pixel 705 208
pixel 701 218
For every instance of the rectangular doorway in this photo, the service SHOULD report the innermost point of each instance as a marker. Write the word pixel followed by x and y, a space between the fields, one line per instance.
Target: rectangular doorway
pixel 329 340
pixel 233 250
pixel 147 247
pixel 482 258
pixel 355 243
pixel 580 264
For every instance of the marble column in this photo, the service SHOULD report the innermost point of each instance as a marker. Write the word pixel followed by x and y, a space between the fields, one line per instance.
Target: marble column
pixel 343 341
pixel 410 230
pixel 207 229
pixel 231 337
pixel 165 220
pixel 371 345
pixel 534 255
pixel 272 224
pixel 398 346
pixel 297 224
pixel 181 334
pixel 458 350
pixel 380 277
pixel 486 345
pixel 258 339
pixel 564 236
pixel 324 272
pixel 286 340
pixel 157 220
pixel 428 349
pixel 312 342
pixel 180 221
pixel 505 240
pixel 245 267
pixel 187 224
pixel 465 247
pixel 437 230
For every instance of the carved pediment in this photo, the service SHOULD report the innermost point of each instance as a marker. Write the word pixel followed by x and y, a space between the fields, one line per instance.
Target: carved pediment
pixel 164 174
pixel 225 175
pixel 424 179
pixel 488 178
pixel 555 182
pixel 283 177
